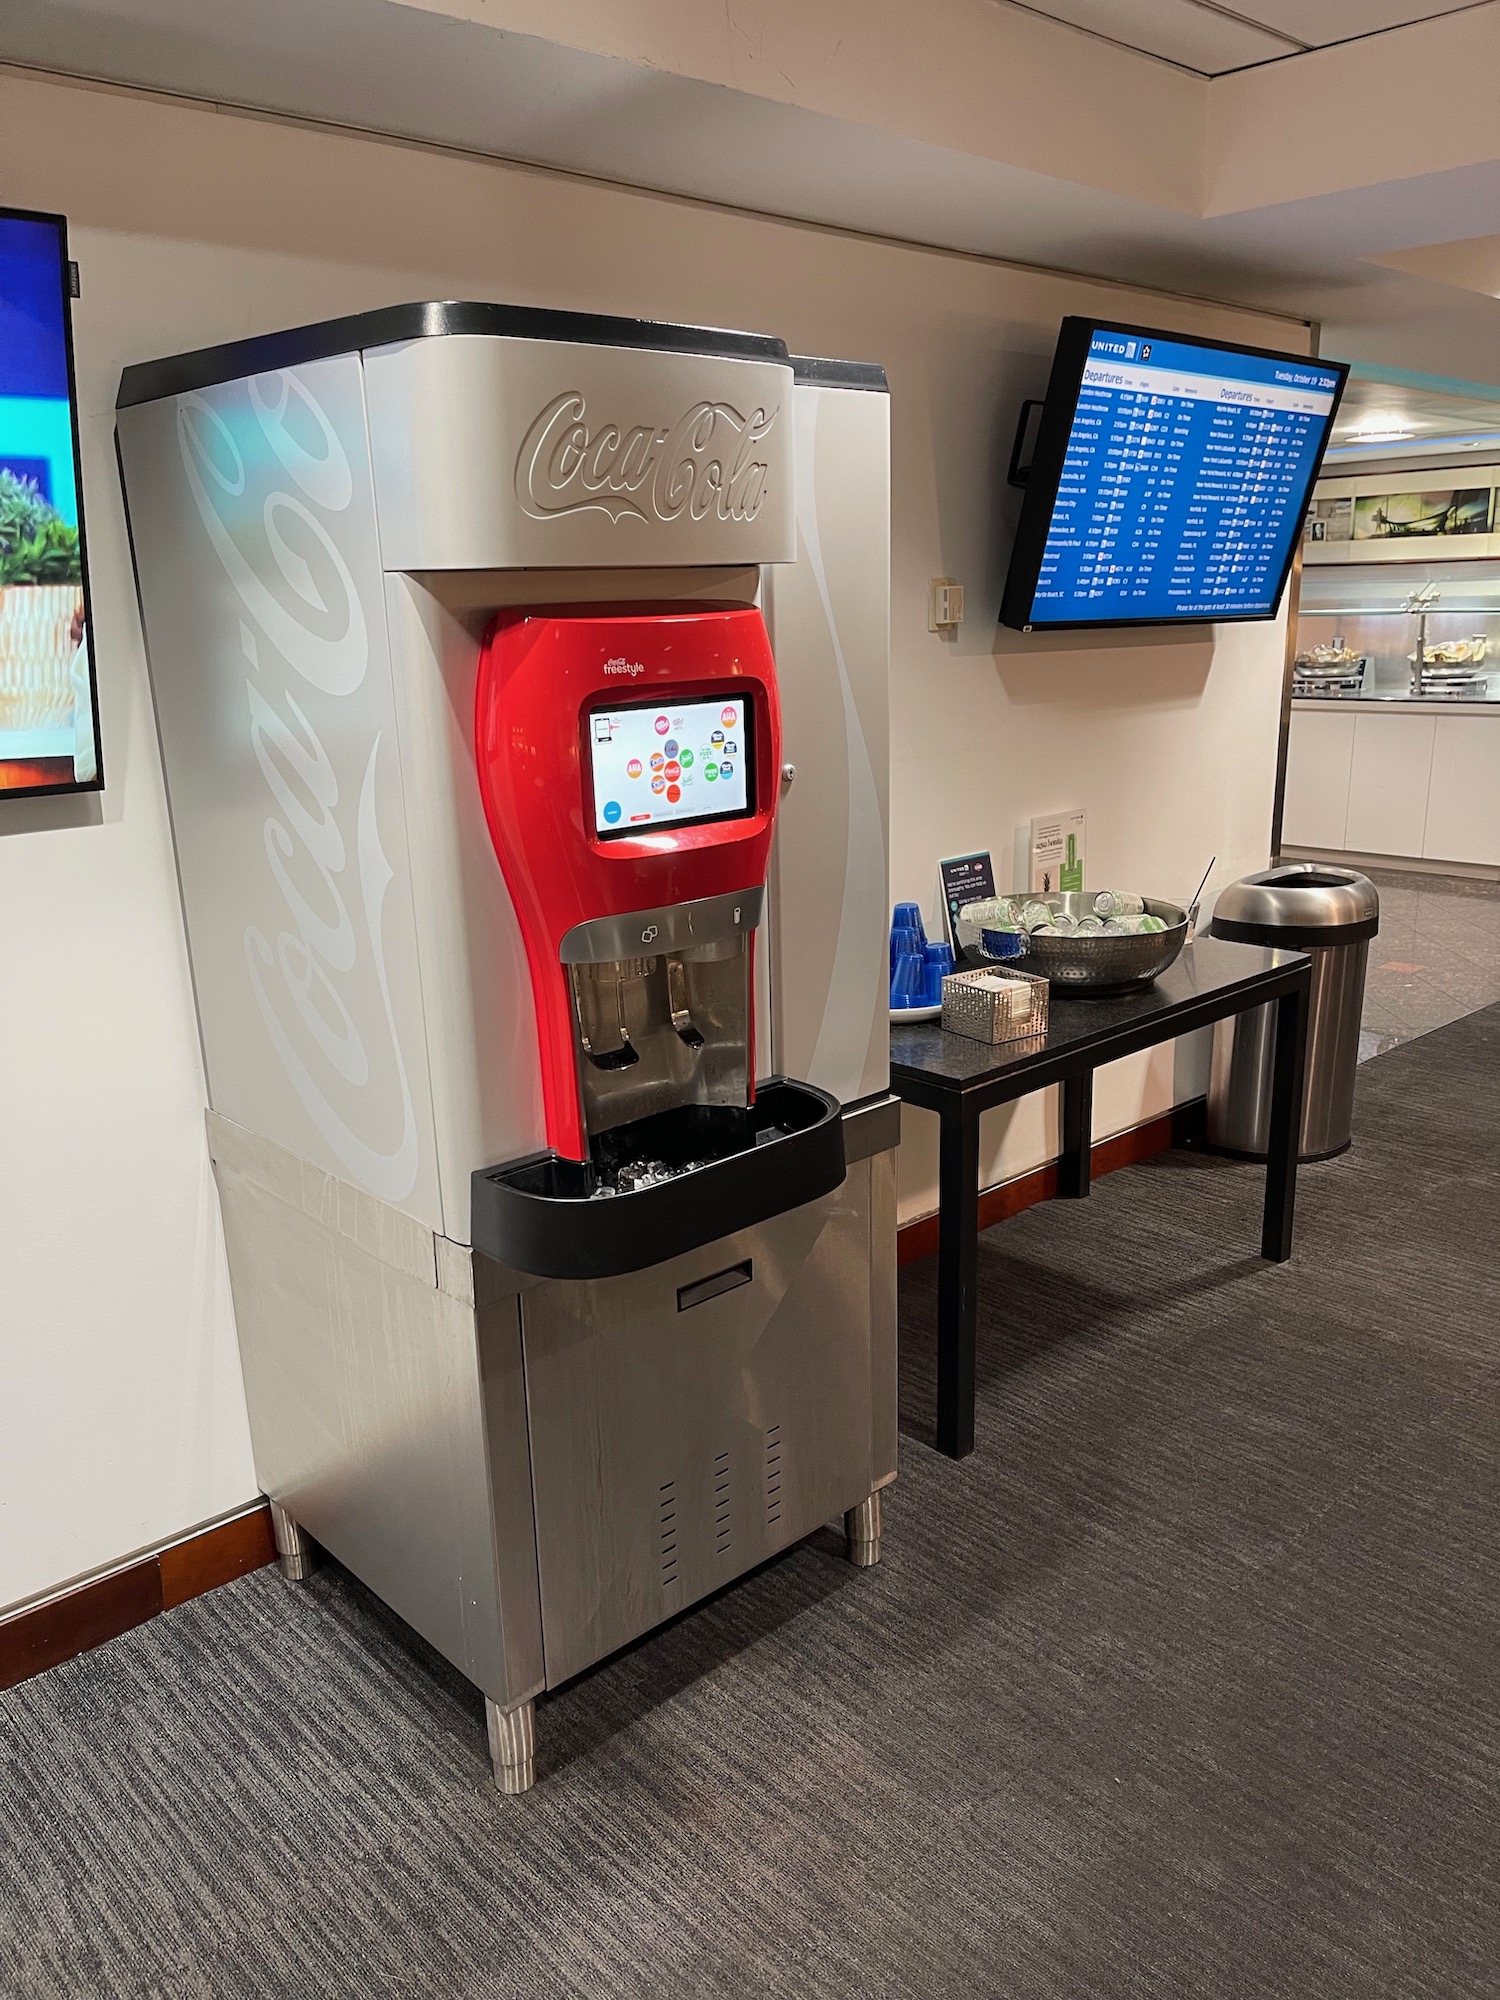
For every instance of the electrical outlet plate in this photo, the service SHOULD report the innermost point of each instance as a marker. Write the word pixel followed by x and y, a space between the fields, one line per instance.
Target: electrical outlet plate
pixel 945 604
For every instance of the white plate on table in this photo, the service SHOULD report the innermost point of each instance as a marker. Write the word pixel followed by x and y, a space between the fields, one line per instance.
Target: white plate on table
pixel 917 1013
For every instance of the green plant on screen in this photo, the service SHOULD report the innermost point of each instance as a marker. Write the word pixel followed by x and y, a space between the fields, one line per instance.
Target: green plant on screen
pixel 36 543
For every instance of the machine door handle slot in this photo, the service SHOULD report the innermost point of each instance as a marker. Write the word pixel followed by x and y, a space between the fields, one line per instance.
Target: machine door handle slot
pixel 703 1289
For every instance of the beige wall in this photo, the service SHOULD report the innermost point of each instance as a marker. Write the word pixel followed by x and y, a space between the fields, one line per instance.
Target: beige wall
pixel 120 1414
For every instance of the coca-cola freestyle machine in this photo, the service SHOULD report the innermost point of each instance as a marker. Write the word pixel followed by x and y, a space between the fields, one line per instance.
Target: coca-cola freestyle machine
pixel 521 686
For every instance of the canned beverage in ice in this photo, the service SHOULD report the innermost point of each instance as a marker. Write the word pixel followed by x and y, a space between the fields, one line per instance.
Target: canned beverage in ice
pixel 1117 903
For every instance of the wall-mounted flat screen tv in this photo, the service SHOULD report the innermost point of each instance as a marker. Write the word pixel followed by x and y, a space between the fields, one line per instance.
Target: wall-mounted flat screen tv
pixel 1169 480
pixel 49 733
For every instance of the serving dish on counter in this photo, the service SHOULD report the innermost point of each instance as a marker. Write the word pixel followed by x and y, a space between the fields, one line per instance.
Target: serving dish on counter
pixel 1100 964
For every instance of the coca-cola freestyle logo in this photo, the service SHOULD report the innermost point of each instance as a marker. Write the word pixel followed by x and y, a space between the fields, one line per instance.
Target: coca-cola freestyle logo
pixel 707 464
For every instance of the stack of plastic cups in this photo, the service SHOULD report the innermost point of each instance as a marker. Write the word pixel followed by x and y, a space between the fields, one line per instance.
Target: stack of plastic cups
pixel 908 957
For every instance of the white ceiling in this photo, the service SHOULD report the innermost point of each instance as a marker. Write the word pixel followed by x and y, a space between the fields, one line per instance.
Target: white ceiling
pixel 1403 418
pixel 1216 36
pixel 459 73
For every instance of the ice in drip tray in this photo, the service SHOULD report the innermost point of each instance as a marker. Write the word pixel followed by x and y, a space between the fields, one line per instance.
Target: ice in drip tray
pixel 638 1174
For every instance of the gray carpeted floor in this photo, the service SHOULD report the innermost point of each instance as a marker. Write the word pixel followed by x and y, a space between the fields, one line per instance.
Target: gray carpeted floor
pixel 1184 1685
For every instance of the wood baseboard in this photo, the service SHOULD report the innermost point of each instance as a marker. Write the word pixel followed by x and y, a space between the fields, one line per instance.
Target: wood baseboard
pixel 998 1204
pixel 44 1635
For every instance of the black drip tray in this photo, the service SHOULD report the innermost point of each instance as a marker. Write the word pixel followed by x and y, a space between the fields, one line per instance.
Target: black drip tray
pixel 728 1167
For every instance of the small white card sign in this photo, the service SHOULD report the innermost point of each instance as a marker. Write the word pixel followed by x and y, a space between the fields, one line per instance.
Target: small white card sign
pixel 1057 853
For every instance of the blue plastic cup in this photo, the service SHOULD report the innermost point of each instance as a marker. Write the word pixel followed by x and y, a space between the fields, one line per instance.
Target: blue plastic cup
pixel 908 981
pixel 937 963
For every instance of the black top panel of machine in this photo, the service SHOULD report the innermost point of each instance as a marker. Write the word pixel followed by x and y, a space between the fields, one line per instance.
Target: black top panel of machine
pixel 825 373
pixel 151 381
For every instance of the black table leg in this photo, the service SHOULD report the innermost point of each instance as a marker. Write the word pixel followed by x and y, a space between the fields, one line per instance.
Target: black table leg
pixel 1287 1065
pixel 958 1256
pixel 1076 1164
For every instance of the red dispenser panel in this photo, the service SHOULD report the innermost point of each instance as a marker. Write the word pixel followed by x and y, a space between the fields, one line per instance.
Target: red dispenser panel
pixel 628 760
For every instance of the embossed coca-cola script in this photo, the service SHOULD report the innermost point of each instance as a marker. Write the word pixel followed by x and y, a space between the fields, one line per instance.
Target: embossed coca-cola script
pixel 304 636
pixel 706 465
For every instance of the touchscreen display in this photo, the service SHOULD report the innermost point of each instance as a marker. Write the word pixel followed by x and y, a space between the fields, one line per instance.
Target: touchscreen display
pixel 671 763
pixel 49 738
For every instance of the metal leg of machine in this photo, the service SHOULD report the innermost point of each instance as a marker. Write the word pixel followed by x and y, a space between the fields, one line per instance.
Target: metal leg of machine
pixel 862 1530
pixel 296 1555
pixel 512 1733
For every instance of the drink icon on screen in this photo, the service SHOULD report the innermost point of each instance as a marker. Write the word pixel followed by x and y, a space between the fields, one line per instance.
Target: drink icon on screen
pixel 726 770
pixel 633 768
pixel 729 717
pixel 658 784
pixel 662 725
pixel 671 770
pixel 674 793
pixel 670 746
pixel 710 771
pixel 731 750
pixel 657 760
pixel 686 760
pixel 717 737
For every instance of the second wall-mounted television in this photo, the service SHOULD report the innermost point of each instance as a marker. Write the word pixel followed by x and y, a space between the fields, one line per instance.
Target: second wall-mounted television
pixel 49 733
pixel 1169 481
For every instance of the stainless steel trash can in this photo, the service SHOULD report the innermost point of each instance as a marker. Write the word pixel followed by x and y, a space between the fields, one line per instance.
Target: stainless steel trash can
pixel 1332 913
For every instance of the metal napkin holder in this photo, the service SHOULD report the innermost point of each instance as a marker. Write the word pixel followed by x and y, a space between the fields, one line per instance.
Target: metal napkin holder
pixel 972 1008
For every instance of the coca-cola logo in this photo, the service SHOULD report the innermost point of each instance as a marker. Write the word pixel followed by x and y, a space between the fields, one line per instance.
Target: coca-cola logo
pixel 322 985
pixel 631 667
pixel 707 464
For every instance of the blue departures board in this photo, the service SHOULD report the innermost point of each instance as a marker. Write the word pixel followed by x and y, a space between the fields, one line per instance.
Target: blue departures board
pixel 1184 482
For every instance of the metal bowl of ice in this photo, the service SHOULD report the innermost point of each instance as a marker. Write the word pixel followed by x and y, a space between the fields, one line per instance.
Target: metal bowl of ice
pixel 1096 962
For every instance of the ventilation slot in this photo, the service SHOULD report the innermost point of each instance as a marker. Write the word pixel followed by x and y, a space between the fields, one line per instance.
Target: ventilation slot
pixel 721 1504
pixel 773 1475
pixel 667 1530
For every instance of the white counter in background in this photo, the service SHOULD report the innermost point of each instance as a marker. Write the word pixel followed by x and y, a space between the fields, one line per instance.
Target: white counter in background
pixel 1416 779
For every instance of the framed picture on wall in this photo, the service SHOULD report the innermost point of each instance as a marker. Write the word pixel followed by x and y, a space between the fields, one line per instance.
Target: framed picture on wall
pixel 49 728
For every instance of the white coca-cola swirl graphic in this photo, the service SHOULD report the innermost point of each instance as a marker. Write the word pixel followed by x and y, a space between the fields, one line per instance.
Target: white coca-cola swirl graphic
pixel 705 464
pixel 309 621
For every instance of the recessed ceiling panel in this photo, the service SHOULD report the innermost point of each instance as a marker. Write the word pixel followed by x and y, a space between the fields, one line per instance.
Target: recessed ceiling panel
pixel 1188 32
pixel 1322 22
pixel 1379 419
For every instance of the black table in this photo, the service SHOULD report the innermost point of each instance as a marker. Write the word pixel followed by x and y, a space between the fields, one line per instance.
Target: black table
pixel 959 1079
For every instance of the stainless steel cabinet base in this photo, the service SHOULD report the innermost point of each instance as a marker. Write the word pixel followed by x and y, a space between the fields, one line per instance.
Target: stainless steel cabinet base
pixel 532 1474
pixel 690 1420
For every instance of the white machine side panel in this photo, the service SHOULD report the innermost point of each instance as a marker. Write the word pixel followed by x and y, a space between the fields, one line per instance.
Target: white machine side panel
pixel 486 1067
pixel 494 453
pixel 830 626
pixel 253 519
